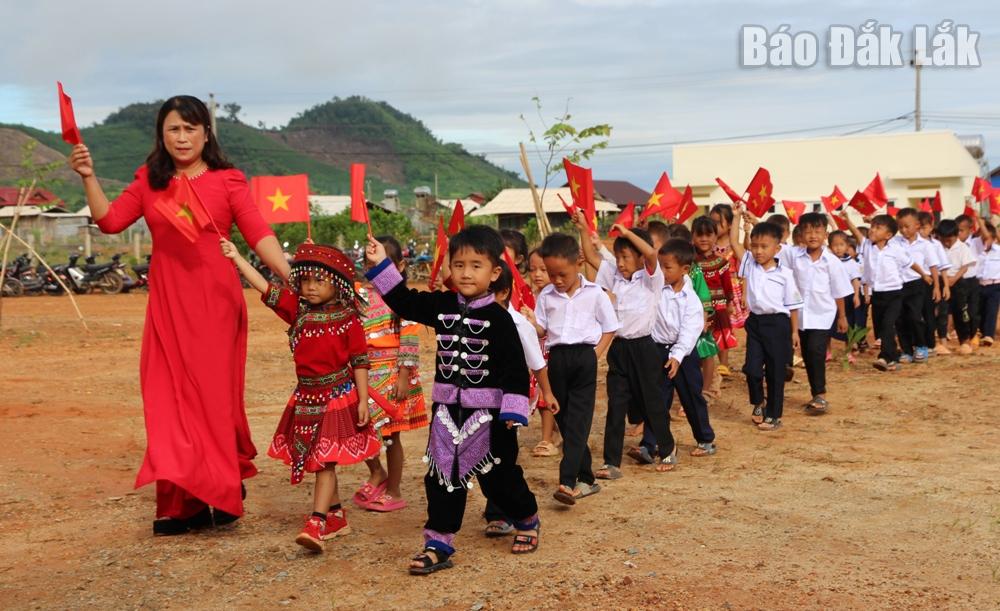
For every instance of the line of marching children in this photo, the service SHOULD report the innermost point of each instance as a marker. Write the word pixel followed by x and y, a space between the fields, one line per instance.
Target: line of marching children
pixel 661 305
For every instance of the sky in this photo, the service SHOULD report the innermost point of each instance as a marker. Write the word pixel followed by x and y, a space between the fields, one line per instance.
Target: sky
pixel 659 72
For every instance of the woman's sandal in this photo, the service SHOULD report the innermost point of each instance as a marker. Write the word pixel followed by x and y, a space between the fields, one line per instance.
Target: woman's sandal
pixel 368 493
pixel 545 449
pixel 531 541
pixel 428 563
pixel 757 415
pixel 385 503
pixel 499 528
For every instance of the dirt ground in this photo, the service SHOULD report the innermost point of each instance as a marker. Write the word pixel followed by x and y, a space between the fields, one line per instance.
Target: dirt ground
pixel 889 501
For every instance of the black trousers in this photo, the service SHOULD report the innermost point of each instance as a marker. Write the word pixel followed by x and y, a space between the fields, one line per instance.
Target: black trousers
pixel 493 511
pixel 959 308
pixel 989 300
pixel 886 306
pixel 573 377
pixel 974 313
pixel 634 372
pixel 910 324
pixel 930 315
pixel 769 349
pixel 504 484
pixel 812 343
pixel 688 383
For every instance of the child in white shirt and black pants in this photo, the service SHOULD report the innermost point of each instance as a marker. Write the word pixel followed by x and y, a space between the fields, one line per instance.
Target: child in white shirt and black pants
pixel 989 282
pixel 578 321
pixel 823 282
pixel 680 320
pixel 917 283
pixel 774 303
pixel 633 382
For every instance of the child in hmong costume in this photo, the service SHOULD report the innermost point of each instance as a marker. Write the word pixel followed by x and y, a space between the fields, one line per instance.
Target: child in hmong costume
pixel 722 214
pixel 326 421
pixel 394 352
pixel 718 278
pixel 480 393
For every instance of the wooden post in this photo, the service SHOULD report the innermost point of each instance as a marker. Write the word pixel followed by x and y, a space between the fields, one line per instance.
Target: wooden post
pixel 86 241
pixel 22 199
pixel 137 246
pixel 544 229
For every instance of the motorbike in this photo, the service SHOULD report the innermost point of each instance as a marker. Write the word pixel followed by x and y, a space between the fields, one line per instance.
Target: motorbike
pixel 141 271
pixel 103 276
pixel 128 282
pixel 20 269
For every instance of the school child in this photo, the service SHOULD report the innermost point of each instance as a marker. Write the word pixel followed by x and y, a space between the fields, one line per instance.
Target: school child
pixel 882 274
pixel 823 284
pixel 722 214
pixel 961 259
pixel 635 280
pixel 911 326
pixel 932 306
pixel 659 232
pixel 579 323
pixel 394 354
pixel 539 279
pixel 497 523
pixel 325 423
pixel 680 320
pixel 480 393
pixel 719 277
pixel 989 282
pixel 971 277
pixel 774 302
pixel 840 244
pixel 516 246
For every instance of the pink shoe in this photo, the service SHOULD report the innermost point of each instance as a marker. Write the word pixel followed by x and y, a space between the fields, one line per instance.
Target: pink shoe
pixel 385 503
pixel 368 493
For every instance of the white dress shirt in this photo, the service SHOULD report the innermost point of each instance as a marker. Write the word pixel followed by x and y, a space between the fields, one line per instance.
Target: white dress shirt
pixel 821 283
pixel 958 255
pixel 529 340
pixel 770 291
pixel 580 319
pixel 921 252
pixel 942 256
pixel 976 248
pixel 883 268
pixel 635 299
pixel 852 267
pixel 680 319
pixel 989 266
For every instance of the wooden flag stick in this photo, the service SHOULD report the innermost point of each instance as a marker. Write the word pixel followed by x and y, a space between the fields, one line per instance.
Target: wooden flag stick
pixel 22 199
pixel 544 229
pixel 34 253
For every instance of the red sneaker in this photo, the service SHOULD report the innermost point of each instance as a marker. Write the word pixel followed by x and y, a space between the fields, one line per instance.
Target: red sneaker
pixel 336 524
pixel 312 534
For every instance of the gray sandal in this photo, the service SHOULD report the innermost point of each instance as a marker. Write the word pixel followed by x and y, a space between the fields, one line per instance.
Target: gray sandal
pixel 818 405
pixel 707 449
pixel 669 461
pixel 611 472
pixel 757 415
pixel 499 528
pixel 586 490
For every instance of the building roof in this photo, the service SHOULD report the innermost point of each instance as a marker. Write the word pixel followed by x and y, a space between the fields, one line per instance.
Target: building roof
pixel 619 192
pixel 519 201
pixel 40 197
pixel 468 204
pixel 53 212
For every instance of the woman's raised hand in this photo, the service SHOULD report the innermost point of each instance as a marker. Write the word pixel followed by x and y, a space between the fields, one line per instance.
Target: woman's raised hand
pixel 81 162
pixel 375 251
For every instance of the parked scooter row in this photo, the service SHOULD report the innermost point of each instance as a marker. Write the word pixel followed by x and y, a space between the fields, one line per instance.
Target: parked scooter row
pixel 110 278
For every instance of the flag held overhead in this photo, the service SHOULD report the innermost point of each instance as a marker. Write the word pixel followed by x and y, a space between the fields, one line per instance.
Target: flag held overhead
pixel 664 201
pixel 359 204
pixel 457 222
pixel 875 192
pixel 440 250
pixel 687 206
pixel 834 201
pixel 936 202
pixel 759 193
pixel 282 199
pixel 981 188
pixel 793 210
pixel 70 132
pixel 581 186
pixel 626 218
pixel 862 202
pixel 733 196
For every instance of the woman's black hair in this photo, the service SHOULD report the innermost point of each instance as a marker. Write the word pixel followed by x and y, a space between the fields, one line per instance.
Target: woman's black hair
pixel 516 241
pixel 482 239
pixel 704 225
pixel 621 242
pixel 723 210
pixel 159 164
pixel 393 249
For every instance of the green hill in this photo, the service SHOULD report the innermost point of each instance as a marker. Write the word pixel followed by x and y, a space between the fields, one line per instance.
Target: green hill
pixel 399 151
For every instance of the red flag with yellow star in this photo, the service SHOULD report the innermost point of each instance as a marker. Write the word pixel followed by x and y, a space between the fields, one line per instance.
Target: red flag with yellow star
pixel 834 201
pixel 687 206
pixel 861 203
pixel 282 199
pixel 981 188
pixel 581 185
pixel 440 250
pixel 760 193
pixel 184 211
pixel 457 222
pixel 875 194
pixel 995 201
pixel 664 201
pixel 793 210
pixel 733 196
pixel 626 218
pixel 520 292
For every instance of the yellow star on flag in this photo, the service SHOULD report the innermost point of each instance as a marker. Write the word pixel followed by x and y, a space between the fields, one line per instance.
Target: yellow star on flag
pixel 279 200
pixel 654 199
pixel 763 193
pixel 574 187
pixel 185 213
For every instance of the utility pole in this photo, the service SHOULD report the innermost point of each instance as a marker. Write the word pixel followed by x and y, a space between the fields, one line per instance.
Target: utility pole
pixel 916 67
pixel 211 112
